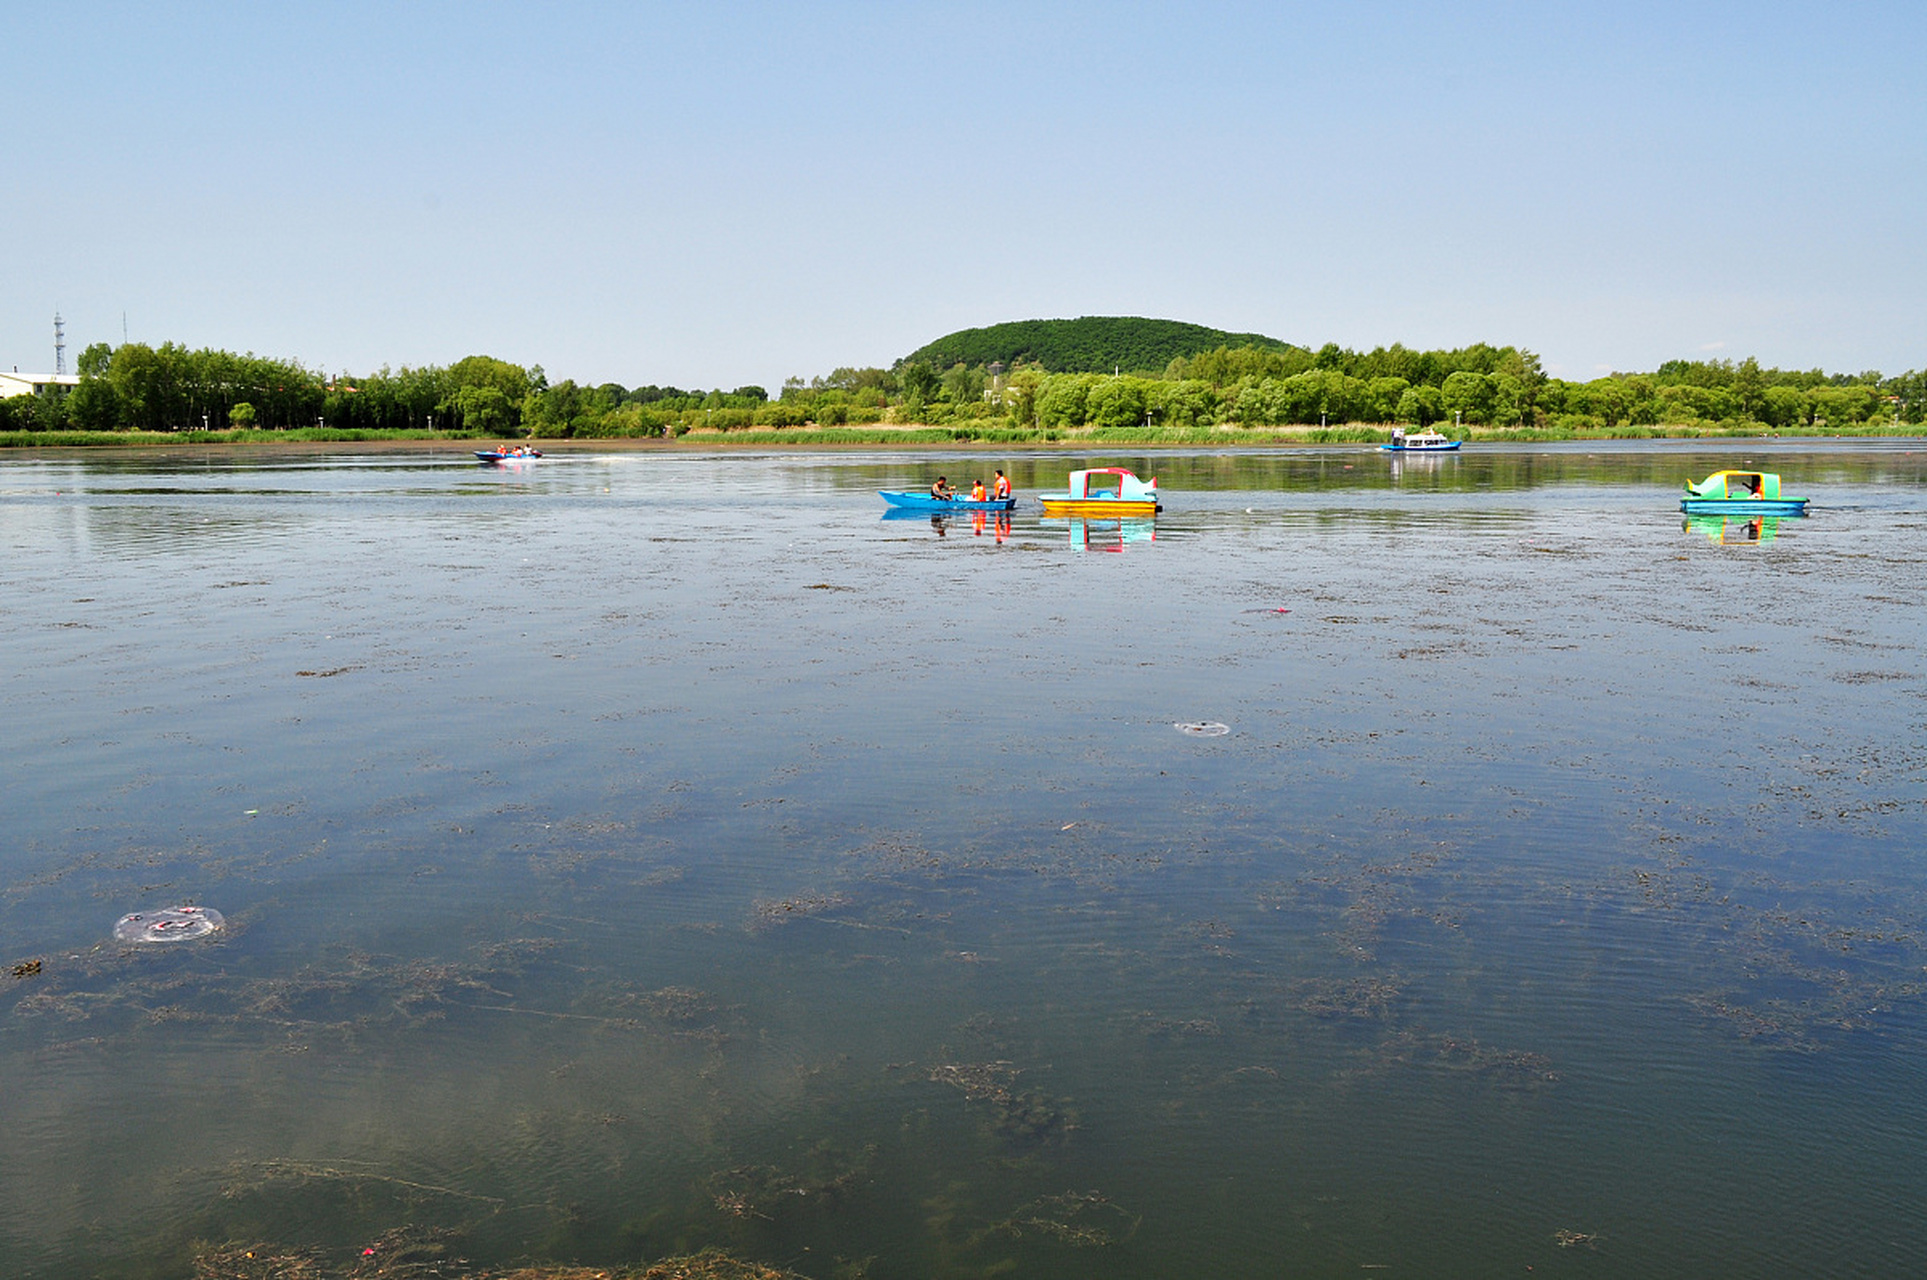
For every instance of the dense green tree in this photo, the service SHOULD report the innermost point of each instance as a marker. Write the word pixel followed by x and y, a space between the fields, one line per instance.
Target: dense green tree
pixel 1116 402
pixel 964 384
pixel 483 410
pixel 512 380
pixel 1421 404
pixel 920 383
pixel 94 405
pixel 1063 400
pixel 1469 395
pixel 1381 398
pixel 94 360
pixel 1183 403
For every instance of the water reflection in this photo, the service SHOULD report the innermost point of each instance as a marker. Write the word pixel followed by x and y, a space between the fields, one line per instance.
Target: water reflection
pixel 1086 534
pixel 1729 531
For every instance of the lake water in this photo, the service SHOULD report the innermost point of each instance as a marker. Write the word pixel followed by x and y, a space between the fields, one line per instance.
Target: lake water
pixel 629 853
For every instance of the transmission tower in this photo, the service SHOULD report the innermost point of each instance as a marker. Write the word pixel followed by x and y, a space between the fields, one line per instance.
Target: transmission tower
pixel 60 347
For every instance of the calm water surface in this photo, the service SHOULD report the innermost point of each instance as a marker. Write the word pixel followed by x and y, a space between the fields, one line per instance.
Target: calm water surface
pixel 624 854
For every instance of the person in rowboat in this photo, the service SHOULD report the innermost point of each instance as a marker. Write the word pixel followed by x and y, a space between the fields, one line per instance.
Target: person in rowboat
pixel 1000 488
pixel 941 490
pixel 977 493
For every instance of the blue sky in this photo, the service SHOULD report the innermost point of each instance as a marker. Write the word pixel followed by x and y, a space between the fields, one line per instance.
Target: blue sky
pixel 732 193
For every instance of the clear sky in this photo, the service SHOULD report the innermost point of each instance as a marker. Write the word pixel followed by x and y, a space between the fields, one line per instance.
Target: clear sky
pixel 724 193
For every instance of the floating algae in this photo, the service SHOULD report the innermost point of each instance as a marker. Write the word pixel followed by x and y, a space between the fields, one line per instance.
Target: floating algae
pixel 258 1262
pixel 1028 1116
pixel 1082 1220
pixel 1510 1068
pixel 710 1264
pixel 767 913
pixel 1367 997
pixel 757 1190
pixel 169 924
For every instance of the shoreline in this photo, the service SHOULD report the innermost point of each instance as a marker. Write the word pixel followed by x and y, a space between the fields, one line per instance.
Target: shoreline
pixel 907 438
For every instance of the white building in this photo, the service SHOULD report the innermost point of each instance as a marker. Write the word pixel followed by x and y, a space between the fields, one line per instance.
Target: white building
pixel 32 384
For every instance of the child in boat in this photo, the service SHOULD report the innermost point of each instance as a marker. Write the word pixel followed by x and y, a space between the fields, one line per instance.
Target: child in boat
pixel 977 493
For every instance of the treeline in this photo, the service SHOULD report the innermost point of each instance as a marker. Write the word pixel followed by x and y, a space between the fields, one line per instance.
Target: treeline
pixel 170 388
pixel 1475 386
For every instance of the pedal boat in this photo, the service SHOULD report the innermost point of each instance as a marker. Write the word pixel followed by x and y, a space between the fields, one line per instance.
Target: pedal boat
pixel 1740 493
pixel 1106 493
pixel 1419 442
pixel 909 501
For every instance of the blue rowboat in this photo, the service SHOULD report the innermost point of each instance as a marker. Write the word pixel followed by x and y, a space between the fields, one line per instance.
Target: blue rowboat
pixel 496 455
pixel 1740 493
pixel 924 502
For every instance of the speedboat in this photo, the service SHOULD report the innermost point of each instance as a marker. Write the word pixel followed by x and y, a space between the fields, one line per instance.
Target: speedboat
pixel 1740 493
pixel 1419 442
pixel 1105 492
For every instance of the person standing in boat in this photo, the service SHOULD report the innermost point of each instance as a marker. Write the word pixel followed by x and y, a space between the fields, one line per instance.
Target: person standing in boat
pixel 1000 488
pixel 941 490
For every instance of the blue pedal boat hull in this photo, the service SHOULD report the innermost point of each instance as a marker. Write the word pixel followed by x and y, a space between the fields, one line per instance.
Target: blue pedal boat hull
pixel 1743 506
pixel 924 502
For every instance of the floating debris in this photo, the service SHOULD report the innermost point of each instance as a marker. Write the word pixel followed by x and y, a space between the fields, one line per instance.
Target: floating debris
pixel 1203 728
pixel 713 1264
pixel 1510 1068
pixel 257 1262
pixel 1345 997
pixel 26 969
pixel 169 924
pixel 1027 1117
pixel 1573 1239
pixel 1152 1025
pixel 1083 1220
pixel 767 913
pixel 758 1191
pixel 980 1081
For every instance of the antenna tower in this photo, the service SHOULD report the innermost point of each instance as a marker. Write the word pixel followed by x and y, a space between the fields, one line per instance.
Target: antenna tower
pixel 60 347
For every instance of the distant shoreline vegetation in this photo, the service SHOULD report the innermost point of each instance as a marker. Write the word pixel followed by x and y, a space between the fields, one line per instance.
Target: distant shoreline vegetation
pixel 1025 382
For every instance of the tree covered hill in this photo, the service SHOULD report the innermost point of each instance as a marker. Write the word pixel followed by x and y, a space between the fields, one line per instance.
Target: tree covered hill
pixel 1089 344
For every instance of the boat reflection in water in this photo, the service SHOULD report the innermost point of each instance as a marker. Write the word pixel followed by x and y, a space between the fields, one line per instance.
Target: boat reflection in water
pixel 998 524
pixel 994 523
pixel 1728 531
pixel 1108 535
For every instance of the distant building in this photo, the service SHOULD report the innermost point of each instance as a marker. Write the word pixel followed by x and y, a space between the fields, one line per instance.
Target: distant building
pixel 33 384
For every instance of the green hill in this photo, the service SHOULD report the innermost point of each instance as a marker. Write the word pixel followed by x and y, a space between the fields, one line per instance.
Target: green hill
pixel 1089 344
